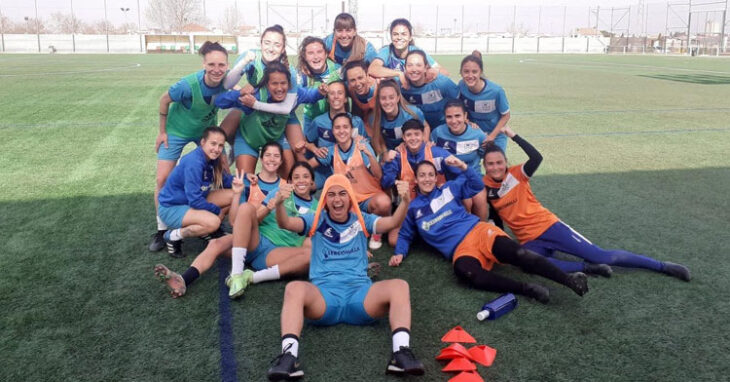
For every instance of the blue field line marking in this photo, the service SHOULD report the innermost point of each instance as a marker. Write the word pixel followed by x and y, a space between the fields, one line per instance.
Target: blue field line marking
pixel 611 133
pixel 225 326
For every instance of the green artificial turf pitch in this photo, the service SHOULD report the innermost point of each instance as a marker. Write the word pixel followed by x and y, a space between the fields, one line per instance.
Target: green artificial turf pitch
pixel 636 157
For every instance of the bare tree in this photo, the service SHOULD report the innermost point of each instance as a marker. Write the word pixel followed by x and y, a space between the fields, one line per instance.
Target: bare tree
pixel 32 26
pixel 230 20
pixel 172 15
pixel 64 23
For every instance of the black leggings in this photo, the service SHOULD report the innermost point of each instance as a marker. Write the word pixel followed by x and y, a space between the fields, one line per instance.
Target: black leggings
pixel 469 270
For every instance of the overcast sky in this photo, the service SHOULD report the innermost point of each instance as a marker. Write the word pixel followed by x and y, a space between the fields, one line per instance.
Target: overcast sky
pixel 480 15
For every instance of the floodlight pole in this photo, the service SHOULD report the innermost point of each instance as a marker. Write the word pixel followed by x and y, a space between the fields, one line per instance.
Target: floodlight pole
pixel 139 27
pixel 73 28
pixel 37 26
pixel 462 30
pixel 489 25
pixel 436 35
pixel 106 27
pixel 2 30
pixel 514 26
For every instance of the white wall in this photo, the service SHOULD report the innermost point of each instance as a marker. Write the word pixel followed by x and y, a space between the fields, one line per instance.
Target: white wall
pixel 28 43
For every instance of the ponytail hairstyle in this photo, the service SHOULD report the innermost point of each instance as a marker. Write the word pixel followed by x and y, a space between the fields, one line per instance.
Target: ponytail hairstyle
pixel 475 57
pixel 405 23
pixel 302 64
pixel 378 141
pixel 359 44
pixel 276 28
pixel 274 67
pixel 218 167
pixel 208 47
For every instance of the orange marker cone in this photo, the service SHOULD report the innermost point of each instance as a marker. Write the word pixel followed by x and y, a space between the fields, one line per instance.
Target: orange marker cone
pixel 460 364
pixel 466 376
pixel 458 334
pixel 453 351
pixel 483 354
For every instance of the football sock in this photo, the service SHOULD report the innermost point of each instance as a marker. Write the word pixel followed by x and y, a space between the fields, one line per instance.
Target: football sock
pixel 176 234
pixel 190 275
pixel 238 257
pixel 268 274
pixel 161 226
pixel 290 343
pixel 401 337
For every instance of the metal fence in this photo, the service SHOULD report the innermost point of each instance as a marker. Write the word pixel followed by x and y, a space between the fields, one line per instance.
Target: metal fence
pixel 685 27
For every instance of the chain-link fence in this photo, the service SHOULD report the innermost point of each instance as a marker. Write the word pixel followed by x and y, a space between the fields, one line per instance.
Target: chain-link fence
pixel 691 27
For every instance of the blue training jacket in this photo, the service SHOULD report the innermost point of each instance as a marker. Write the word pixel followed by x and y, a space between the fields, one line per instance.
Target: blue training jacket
pixel 191 181
pixel 439 218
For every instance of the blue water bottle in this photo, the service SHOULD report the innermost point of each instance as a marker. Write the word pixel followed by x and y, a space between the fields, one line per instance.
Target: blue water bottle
pixel 498 307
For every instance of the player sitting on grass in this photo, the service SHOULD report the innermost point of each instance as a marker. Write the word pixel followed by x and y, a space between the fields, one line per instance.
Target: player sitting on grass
pixel 539 230
pixel 340 290
pixel 273 253
pixel 197 194
pixel 438 217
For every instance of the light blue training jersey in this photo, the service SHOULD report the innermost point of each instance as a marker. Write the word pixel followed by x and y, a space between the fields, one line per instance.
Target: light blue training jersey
pixel 339 251
pixel 487 107
pixel 431 98
pixel 465 146
pixel 392 131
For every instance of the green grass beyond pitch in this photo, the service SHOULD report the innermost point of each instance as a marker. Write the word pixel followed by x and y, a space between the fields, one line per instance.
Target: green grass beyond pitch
pixel 636 157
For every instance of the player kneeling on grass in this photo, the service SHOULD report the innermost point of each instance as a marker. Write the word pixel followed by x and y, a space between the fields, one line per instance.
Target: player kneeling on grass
pixel 540 230
pixel 274 253
pixel 440 219
pixel 197 194
pixel 355 159
pixel 340 289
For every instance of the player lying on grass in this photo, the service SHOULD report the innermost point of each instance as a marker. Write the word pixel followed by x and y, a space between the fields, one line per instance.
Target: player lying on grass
pixel 340 290
pixel 197 194
pixel 186 109
pixel 439 218
pixel 272 252
pixel 400 164
pixel 355 159
pixel 539 230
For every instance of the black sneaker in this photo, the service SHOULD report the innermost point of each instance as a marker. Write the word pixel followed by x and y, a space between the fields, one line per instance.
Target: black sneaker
pixel 676 270
pixel 538 292
pixel 214 235
pixel 598 269
pixel 158 241
pixel 174 247
pixel 404 362
pixel 578 282
pixel 285 366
